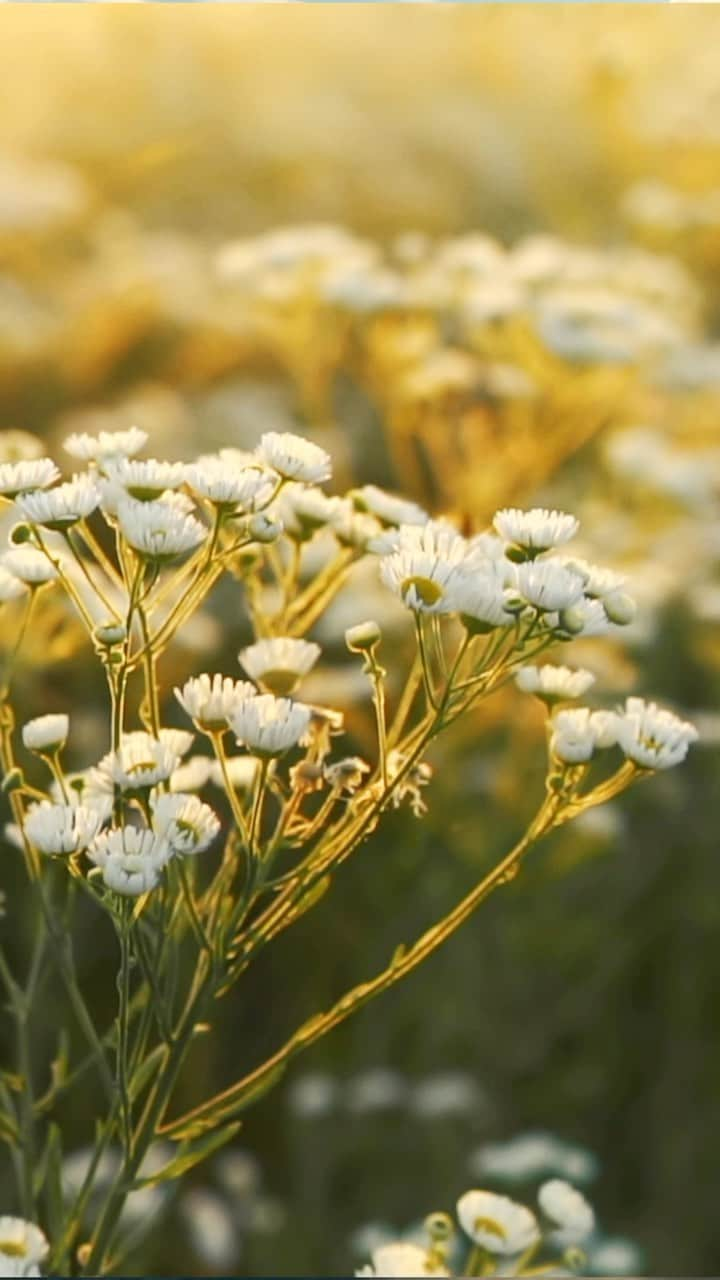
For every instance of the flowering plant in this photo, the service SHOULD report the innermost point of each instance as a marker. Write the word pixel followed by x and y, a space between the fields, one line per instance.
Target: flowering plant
pixel 192 893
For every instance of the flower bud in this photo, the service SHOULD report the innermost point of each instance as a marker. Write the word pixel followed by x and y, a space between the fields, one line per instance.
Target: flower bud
pixel 439 1227
pixel 363 638
pixel 263 528
pixel 572 620
pixel 20 533
pixel 619 607
pixel 110 633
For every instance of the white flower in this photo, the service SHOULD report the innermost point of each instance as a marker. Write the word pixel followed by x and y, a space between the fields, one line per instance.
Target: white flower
pixel 578 733
pixel 211 700
pixel 353 528
pixel 347 775
pixel 536 530
pixel 106 446
pixel 228 485
pixel 187 824
pixel 46 733
pixel 146 479
pixel 425 567
pixel 478 593
pixel 653 737
pixel 26 475
pixel 141 762
pixel 61 828
pixel 62 507
pixel 29 565
pixel 304 509
pixel 22 1247
pixel 585 618
pixel 191 775
pixel 294 458
pixel 131 859
pixel 554 684
pixel 401 1259
pixel 607 587
pixel 546 584
pixel 568 1209
pixel 497 1223
pixel 279 663
pixel 157 529
pixel 11 588
pixel 387 507
pixel 268 725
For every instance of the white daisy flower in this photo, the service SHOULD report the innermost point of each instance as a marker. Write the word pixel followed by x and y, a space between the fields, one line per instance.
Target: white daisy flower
pixel 192 775
pixel 28 565
pixel 294 458
pixel 62 507
pixel 11 588
pixel 354 528
pixel 652 736
pixel 187 824
pixel 46 733
pixel 425 567
pixel 81 793
pixel 479 595
pixel 554 684
pixel 211 700
pixel 229 486
pixel 536 530
pixel 497 1223
pixel 608 587
pixel 578 733
pixel 546 585
pixel 145 479
pixel 158 530
pixel 304 509
pixel 568 1209
pixel 400 1259
pixel 61 828
pixel 178 740
pixel 22 1242
pixel 20 446
pixel 269 726
pixel 141 762
pixel 26 475
pixel 278 664
pixel 388 508
pixel 106 446
pixel 131 859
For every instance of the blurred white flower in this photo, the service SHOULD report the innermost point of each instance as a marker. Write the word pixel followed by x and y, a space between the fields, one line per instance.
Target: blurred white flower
pixel 388 508
pixel 22 1245
pixel 11 587
pixel 27 475
pixel 141 762
pixel 146 479
pixel 545 584
pixel 578 733
pixel 554 684
pixel 29 565
pixel 497 1223
pixel 210 1224
pixel 399 1259
pixel 294 458
pixel 106 446
pixel 46 733
pixel 573 1217
pixel 279 663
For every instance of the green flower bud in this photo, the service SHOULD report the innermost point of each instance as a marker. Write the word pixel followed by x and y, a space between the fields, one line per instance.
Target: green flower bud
pixel 364 637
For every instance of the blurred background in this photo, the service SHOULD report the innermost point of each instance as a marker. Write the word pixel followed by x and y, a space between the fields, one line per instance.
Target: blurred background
pixel 475 252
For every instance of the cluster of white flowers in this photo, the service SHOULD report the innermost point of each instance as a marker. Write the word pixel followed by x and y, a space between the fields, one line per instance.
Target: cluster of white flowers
pixel 515 582
pixel 508 1233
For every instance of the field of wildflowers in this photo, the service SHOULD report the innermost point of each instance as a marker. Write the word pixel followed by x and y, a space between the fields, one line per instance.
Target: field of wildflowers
pixel 359 497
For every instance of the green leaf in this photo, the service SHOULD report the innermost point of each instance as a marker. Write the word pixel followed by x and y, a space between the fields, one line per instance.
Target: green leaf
pixel 228 1103
pixel 196 1151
